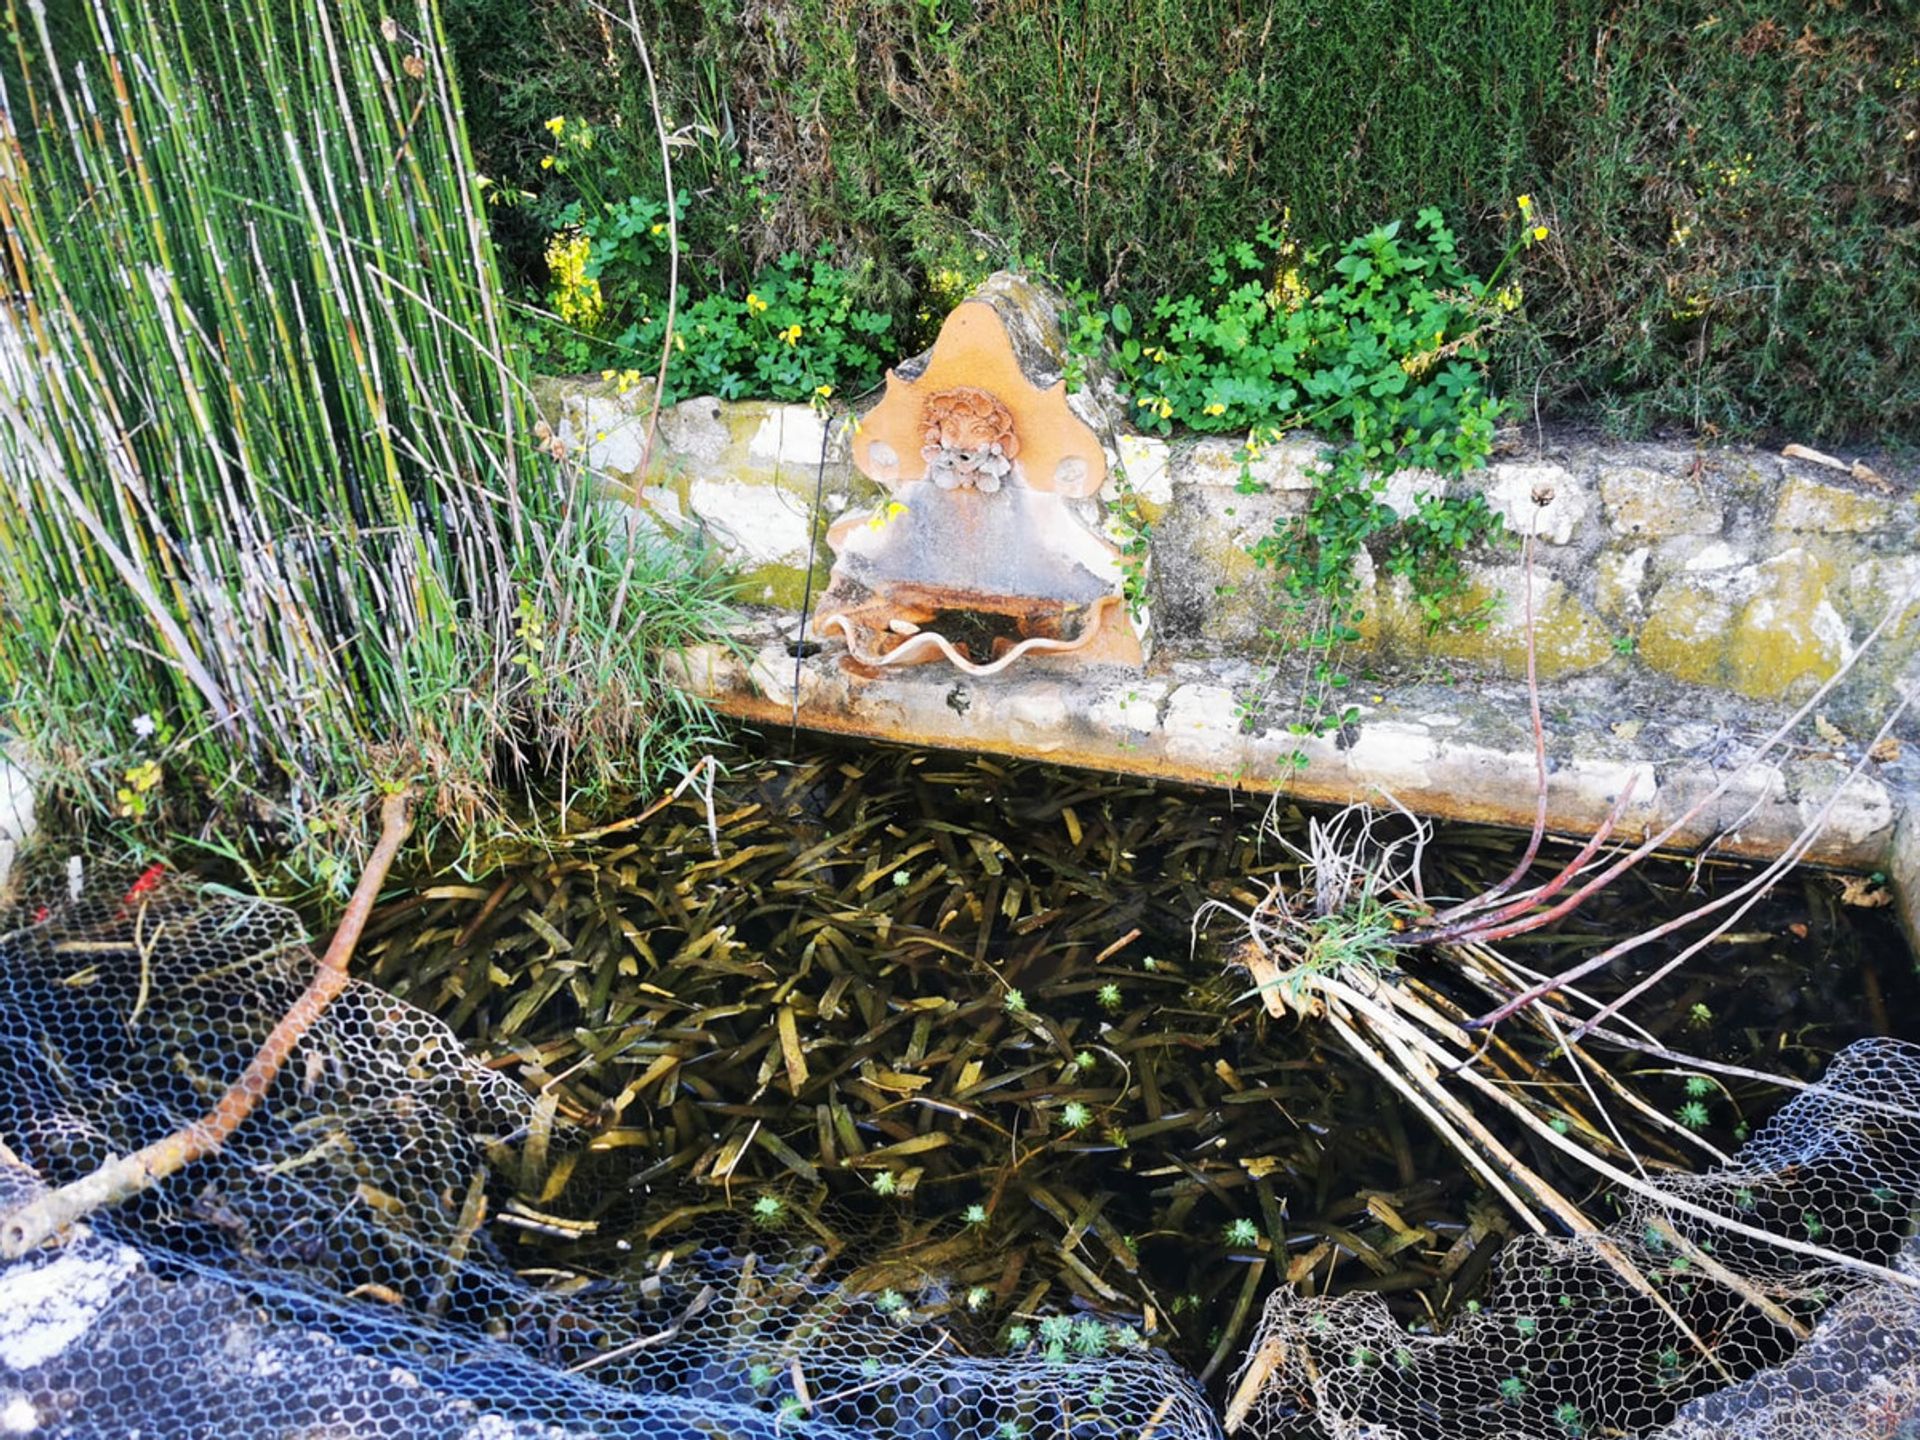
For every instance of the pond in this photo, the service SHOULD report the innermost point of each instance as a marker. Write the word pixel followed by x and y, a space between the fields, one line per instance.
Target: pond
pixel 954 1016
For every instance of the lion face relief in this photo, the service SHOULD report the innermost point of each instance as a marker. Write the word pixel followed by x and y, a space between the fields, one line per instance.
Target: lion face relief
pixel 967 439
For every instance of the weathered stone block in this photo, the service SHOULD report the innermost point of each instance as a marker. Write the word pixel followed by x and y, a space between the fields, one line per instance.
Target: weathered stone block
pixel 1645 502
pixel 1807 504
pixel 1511 489
pixel 1619 576
pixel 1219 462
pixel 1568 637
pixel 1769 630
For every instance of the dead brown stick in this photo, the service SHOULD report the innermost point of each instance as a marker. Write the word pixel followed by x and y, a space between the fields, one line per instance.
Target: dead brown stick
pixel 42 1219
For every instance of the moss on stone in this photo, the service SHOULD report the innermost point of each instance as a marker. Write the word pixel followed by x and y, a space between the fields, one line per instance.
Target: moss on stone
pixel 1830 509
pixel 1768 631
pixel 1569 638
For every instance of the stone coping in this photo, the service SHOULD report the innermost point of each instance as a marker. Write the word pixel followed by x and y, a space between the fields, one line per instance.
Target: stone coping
pixel 1460 751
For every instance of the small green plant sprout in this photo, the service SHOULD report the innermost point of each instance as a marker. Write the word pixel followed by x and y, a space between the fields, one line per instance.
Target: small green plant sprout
pixel 1084 1060
pixel 1813 1225
pixel 1117 1137
pixel 1014 1002
pixel 1018 1337
pixel 1242 1232
pixel 1743 1198
pixel 1090 1337
pixel 1011 1430
pixel 1075 1115
pixel 1361 1358
pixel 758 1374
pixel 1148 963
pixel 1694 1115
pixel 890 1301
pixel 1512 1388
pixel 902 879
pixel 884 1183
pixel 977 1297
pixel 1569 1418
pixel 1056 1332
pixel 1669 1364
pixel 1560 1124
pixel 1110 996
pixel 1699 1086
pixel 1699 1017
pixel 768 1210
pixel 1623 644
pixel 975 1214
pixel 1526 1326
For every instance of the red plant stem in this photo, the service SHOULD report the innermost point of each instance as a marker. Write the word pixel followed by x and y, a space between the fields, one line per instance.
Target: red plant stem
pixel 1647 847
pixel 1757 887
pixel 1479 927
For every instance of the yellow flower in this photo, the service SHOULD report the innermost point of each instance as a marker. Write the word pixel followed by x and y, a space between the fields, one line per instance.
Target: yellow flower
pixel 755 304
pixel 880 518
pixel 576 295
pixel 557 126
pixel 1525 202
pixel 546 162
pixel 791 334
pixel 1216 408
pixel 659 228
pixel 606 374
pixel 823 391
pixel 1539 232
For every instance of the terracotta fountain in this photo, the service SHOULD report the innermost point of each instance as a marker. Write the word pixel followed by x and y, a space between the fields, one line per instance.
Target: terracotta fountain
pixel 985 552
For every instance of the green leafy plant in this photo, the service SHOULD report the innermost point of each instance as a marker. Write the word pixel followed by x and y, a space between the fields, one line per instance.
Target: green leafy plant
pixel 795 333
pixel 1383 351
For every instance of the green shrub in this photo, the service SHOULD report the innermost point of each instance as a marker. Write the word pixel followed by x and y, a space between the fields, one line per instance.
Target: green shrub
pixel 1732 187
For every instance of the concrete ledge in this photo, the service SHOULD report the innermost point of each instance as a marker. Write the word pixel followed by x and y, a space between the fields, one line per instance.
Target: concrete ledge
pixel 1460 751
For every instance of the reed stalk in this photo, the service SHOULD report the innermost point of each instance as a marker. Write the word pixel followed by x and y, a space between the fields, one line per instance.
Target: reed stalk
pixel 276 517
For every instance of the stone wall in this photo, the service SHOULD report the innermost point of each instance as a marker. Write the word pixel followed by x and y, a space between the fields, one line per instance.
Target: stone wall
pixel 1728 569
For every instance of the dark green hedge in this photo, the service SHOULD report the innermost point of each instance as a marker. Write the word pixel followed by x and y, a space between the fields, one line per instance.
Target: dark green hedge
pixel 1732 187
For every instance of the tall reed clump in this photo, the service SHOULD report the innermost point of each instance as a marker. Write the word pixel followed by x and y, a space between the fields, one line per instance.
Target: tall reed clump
pixel 278 526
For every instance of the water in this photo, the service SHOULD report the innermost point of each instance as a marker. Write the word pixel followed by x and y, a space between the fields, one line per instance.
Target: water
pixel 954 1010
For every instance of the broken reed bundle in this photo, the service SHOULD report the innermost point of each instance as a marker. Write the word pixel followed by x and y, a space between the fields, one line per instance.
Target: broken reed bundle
pixel 1331 948
pixel 275 497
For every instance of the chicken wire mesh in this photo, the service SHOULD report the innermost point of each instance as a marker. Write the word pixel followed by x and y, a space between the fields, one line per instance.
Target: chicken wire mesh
pixel 350 1263
pixel 1685 1295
